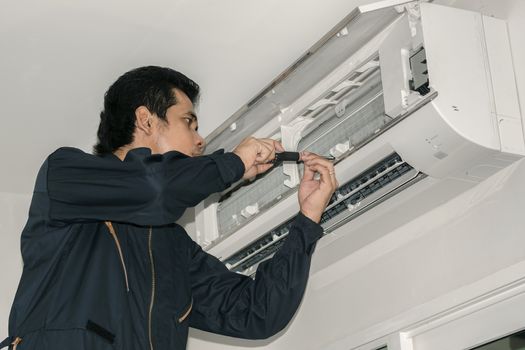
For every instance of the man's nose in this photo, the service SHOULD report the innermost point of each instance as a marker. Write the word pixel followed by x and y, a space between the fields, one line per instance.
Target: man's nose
pixel 200 143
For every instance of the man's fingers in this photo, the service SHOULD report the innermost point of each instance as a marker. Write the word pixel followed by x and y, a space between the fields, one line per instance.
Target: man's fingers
pixel 254 152
pixel 275 146
pixel 309 173
pixel 325 178
pixel 265 152
pixel 320 163
pixel 268 149
pixel 278 146
pixel 306 156
pixel 262 168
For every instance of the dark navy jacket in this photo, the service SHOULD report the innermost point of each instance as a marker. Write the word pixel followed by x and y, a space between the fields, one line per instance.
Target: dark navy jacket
pixel 106 267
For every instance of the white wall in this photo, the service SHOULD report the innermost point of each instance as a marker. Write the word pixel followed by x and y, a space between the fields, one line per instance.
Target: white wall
pixel 13 215
pixel 449 250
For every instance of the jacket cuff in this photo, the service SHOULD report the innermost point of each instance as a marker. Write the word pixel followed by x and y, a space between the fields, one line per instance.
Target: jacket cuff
pixel 305 233
pixel 230 166
pixel 313 231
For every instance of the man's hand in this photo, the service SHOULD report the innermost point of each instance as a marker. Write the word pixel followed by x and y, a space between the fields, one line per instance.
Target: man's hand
pixel 314 195
pixel 256 153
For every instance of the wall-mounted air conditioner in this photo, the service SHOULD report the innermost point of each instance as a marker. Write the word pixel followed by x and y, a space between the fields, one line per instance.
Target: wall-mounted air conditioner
pixel 400 92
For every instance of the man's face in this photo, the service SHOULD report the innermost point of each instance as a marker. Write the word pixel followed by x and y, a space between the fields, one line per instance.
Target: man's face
pixel 179 131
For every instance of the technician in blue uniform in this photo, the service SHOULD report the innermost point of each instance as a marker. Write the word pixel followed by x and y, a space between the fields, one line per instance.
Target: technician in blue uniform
pixel 105 264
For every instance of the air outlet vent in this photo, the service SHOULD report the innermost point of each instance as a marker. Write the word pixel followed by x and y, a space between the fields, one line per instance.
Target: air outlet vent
pixel 361 193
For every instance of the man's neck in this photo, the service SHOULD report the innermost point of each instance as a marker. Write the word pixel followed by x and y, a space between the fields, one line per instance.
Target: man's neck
pixel 121 153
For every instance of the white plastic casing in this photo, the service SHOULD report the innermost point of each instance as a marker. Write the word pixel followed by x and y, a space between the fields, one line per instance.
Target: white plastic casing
pixel 471 129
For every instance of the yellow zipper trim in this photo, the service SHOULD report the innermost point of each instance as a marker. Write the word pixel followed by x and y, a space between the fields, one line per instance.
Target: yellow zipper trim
pixel 15 342
pixel 187 313
pixel 115 238
pixel 152 287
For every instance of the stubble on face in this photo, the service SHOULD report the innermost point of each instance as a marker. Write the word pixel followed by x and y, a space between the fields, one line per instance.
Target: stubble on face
pixel 179 131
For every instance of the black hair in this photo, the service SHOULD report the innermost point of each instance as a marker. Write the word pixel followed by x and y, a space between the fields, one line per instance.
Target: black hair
pixel 151 87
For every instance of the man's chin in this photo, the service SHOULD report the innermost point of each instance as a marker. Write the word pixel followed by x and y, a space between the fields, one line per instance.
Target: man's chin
pixel 197 153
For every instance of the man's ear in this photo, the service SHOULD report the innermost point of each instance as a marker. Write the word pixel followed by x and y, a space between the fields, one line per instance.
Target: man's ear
pixel 144 120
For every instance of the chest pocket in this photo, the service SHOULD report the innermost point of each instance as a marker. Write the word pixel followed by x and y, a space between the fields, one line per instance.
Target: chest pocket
pixel 185 313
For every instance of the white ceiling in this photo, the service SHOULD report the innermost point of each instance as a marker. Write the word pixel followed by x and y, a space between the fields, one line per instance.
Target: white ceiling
pixel 58 57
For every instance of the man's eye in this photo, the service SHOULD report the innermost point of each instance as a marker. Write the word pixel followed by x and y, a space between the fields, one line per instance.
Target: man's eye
pixel 189 120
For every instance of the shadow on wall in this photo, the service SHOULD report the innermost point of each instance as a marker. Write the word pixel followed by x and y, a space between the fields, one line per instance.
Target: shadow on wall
pixel 230 342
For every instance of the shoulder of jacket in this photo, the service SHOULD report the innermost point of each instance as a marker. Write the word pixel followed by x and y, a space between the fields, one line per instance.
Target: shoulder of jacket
pixel 65 152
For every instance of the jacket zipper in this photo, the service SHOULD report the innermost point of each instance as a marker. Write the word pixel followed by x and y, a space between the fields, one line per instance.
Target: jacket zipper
pixel 152 288
pixel 117 243
pixel 15 342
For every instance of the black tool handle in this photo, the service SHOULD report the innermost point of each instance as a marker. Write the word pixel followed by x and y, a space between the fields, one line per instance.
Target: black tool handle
pixel 287 157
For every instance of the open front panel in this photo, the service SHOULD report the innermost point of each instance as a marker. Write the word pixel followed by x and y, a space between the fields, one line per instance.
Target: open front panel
pixel 343 41
pixel 330 102
pixel 360 80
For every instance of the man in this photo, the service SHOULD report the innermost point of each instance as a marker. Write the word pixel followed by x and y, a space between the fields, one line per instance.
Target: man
pixel 105 265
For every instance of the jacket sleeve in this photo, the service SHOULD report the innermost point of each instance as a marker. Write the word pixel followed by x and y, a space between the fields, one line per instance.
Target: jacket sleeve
pixel 232 304
pixel 143 189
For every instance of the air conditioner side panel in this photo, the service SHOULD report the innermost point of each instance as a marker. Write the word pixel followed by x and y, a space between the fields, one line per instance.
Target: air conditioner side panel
pixel 427 142
pixel 506 100
pixel 469 63
pixel 457 67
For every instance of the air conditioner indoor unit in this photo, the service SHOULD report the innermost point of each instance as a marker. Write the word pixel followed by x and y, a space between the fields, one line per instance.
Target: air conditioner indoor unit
pixel 417 102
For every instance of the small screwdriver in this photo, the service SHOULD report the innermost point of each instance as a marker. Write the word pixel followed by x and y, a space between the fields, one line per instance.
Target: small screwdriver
pixel 292 157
